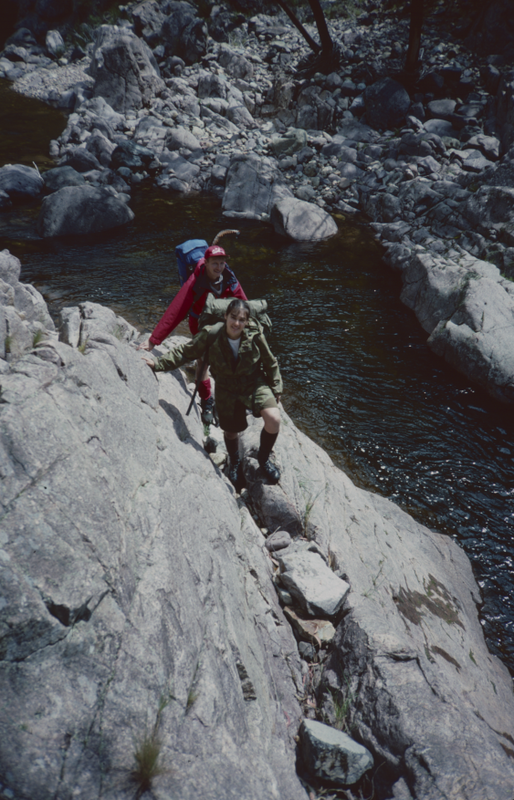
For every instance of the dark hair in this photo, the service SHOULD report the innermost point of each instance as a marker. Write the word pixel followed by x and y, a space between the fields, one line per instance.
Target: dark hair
pixel 238 305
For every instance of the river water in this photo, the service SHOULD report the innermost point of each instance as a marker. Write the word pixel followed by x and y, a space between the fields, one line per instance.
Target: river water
pixel 359 378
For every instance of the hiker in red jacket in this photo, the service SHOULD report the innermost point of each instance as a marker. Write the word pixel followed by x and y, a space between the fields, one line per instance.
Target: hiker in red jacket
pixel 211 274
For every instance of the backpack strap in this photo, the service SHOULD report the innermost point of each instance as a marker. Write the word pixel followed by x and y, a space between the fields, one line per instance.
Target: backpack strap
pixel 212 336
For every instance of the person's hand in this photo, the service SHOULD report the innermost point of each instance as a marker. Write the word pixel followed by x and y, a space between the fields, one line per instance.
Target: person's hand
pixel 149 361
pixel 145 345
pixel 277 397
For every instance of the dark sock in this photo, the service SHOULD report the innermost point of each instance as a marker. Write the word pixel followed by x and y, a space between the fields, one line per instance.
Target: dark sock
pixel 232 446
pixel 267 442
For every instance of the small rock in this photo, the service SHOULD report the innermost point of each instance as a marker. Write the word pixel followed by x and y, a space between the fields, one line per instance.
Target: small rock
pixel 488 145
pixel 441 127
pixel 289 142
pixel 54 43
pixel 332 755
pixel 278 540
pixel 284 597
pixel 387 103
pixel 441 109
pixel 306 650
pixel 304 573
pixel 314 631
pixel 475 162
pixel 306 192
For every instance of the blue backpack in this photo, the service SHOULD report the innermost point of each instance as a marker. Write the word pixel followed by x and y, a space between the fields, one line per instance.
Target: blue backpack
pixel 188 255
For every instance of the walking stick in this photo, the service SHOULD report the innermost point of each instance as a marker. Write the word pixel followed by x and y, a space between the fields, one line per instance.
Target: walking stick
pixel 197 384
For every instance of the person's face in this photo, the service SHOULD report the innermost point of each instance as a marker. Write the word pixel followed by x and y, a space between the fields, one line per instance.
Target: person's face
pixel 235 322
pixel 214 266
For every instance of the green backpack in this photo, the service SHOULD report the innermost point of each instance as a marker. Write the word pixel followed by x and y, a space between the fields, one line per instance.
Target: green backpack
pixel 215 309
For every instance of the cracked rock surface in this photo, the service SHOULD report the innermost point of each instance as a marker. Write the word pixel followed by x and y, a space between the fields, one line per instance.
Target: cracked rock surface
pixel 408 663
pixel 138 598
pixel 135 593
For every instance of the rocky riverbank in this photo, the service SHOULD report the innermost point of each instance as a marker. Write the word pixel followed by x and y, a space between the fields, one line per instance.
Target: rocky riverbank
pixel 218 105
pixel 149 609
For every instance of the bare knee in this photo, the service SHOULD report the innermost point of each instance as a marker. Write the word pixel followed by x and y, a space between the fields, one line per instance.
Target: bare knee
pixel 271 417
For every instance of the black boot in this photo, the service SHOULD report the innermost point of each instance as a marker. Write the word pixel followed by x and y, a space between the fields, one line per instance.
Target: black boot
pixel 207 410
pixel 234 462
pixel 234 466
pixel 271 472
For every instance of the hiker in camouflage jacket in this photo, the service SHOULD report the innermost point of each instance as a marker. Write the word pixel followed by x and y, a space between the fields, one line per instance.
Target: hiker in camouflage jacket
pixel 247 377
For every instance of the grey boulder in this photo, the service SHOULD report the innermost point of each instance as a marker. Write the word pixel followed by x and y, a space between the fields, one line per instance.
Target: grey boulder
pixel 124 68
pixel 234 63
pixel 278 541
pixel 253 185
pixel 441 109
pixel 81 160
pixel 24 318
pixel 184 33
pixel 302 221
pixel 306 576
pixel 441 127
pixel 467 307
pixel 489 146
pixel 179 137
pixel 292 141
pixel 20 183
pixel 148 19
pixel 59 177
pixel 76 210
pixel 387 103
pixel 101 147
pixel 478 339
pixel 475 162
pixel 332 755
pixel 492 207
pixel 54 43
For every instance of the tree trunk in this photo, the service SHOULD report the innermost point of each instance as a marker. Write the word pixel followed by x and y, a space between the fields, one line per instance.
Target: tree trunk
pixel 294 19
pixel 326 42
pixel 416 21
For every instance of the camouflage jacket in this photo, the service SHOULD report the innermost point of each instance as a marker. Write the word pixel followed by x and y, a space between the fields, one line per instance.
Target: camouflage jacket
pixel 255 363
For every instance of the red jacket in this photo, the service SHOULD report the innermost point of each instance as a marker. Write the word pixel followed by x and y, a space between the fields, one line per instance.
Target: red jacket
pixel 191 300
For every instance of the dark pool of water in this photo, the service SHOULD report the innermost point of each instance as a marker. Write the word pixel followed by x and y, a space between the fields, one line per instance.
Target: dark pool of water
pixel 26 128
pixel 359 377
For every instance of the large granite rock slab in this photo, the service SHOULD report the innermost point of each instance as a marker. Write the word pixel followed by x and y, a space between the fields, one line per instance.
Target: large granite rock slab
pixel 137 597
pixel 425 696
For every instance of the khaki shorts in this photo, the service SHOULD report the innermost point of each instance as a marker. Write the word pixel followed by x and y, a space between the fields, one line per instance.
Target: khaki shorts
pixel 232 408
